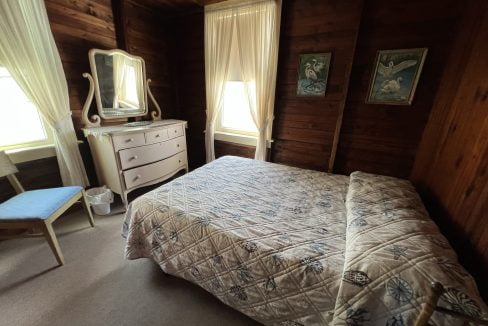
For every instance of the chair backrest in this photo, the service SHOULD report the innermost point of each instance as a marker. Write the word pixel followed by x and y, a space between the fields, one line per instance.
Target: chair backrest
pixel 15 183
pixel 8 169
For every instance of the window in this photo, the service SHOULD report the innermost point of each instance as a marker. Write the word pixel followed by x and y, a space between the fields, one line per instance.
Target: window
pixel 20 122
pixel 235 116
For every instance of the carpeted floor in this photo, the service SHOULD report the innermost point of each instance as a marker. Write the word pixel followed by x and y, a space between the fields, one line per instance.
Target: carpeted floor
pixel 97 286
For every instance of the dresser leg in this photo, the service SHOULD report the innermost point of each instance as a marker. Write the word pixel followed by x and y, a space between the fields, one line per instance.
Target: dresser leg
pixel 124 199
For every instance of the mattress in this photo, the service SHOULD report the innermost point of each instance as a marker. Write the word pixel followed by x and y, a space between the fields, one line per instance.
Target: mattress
pixel 288 246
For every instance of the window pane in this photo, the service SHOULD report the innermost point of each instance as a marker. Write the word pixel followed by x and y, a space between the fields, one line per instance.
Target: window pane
pixel 236 114
pixel 19 119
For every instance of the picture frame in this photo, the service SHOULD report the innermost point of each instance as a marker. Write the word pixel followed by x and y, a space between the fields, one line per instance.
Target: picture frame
pixel 395 76
pixel 313 73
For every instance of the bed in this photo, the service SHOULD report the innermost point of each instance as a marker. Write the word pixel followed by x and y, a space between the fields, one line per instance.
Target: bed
pixel 288 246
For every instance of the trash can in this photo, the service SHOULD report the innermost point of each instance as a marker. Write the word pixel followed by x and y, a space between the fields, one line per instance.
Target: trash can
pixel 100 199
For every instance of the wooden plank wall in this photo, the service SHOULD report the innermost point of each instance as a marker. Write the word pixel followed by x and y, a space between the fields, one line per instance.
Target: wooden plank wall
pixel 78 26
pixel 304 127
pixel 225 148
pixel 191 81
pixel 383 138
pixel 451 168
pixel 373 138
pixel 38 174
pixel 150 34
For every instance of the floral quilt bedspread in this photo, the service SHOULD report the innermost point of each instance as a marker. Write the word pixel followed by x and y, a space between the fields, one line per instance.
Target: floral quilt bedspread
pixel 394 251
pixel 288 246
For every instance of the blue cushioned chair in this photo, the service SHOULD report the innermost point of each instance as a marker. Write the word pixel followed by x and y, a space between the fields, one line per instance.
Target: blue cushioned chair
pixel 37 209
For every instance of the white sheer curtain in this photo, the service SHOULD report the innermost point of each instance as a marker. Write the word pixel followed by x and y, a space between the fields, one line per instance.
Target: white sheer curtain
pixel 258 28
pixel 28 51
pixel 219 27
pixel 128 83
pixel 140 83
pixel 257 24
pixel 119 74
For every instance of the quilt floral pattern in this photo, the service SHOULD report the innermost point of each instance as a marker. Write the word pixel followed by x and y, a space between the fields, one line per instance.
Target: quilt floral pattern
pixel 288 246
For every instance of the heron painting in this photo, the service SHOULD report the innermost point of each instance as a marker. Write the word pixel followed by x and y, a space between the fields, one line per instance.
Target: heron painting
pixel 395 76
pixel 313 70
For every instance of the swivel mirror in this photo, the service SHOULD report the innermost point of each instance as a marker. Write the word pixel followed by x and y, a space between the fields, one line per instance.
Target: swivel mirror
pixel 119 85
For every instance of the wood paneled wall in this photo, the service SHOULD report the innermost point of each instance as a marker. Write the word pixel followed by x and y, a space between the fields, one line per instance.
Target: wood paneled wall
pixel 149 33
pixel 38 174
pixel 305 127
pixel 451 168
pixel 373 138
pixel 191 81
pixel 225 148
pixel 384 138
pixel 78 26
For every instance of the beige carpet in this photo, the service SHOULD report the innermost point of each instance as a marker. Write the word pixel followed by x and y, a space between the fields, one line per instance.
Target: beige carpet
pixel 97 286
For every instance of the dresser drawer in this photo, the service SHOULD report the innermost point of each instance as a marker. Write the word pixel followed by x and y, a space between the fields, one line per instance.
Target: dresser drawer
pixel 156 136
pixel 128 141
pixel 148 173
pixel 137 156
pixel 176 131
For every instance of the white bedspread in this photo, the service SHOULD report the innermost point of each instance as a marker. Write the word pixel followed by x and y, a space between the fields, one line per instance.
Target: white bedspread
pixel 271 241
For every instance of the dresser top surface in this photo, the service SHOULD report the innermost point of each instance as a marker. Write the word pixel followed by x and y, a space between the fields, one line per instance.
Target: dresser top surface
pixel 123 129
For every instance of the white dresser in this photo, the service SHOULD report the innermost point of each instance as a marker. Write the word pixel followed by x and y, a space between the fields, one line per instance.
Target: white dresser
pixel 127 158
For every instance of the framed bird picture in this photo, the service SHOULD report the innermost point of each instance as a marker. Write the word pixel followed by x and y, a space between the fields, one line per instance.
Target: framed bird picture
pixel 313 71
pixel 395 76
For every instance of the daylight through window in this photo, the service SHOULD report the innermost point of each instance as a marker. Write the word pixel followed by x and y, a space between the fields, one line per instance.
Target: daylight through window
pixel 20 122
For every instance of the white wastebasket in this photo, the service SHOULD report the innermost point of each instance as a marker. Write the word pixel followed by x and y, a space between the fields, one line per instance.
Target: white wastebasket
pixel 100 199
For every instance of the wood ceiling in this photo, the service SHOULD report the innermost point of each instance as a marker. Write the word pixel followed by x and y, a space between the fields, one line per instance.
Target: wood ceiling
pixel 171 5
pixel 175 5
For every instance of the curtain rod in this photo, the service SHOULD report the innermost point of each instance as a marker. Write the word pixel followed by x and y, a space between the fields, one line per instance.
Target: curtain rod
pixel 230 4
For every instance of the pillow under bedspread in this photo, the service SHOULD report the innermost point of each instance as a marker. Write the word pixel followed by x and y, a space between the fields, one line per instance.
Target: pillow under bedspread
pixel 394 251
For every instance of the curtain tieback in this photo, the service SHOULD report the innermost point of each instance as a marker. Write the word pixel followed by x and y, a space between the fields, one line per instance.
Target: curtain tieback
pixel 210 126
pixel 264 127
pixel 62 122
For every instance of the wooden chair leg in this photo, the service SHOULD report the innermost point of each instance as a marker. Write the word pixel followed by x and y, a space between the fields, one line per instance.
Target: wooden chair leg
pixel 86 205
pixel 48 231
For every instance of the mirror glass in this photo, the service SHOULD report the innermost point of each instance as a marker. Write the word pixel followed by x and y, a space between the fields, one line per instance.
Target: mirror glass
pixel 120 80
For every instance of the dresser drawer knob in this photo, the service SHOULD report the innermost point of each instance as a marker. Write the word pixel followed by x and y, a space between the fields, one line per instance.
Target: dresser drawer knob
pixel 135 157
pixel 179 161
pixel 176 131
pixel 177 145
pixel 130 139
pixel 137 177
pixel 157 136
